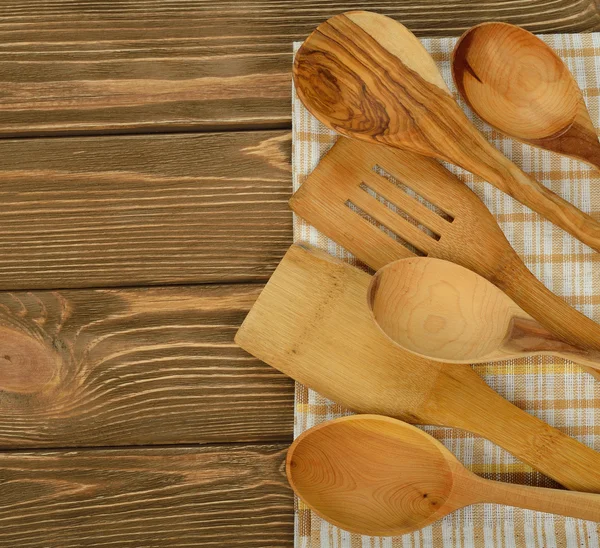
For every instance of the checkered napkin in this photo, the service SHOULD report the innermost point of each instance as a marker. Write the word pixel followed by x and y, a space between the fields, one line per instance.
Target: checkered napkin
pixel 557 392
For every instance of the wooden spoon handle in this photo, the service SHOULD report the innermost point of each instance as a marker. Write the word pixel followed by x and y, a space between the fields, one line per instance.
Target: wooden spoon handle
pixel 591 158
pixel 529 336
pixel 579 141
pixel 553 501
pixel 465 401
pixel 585 148
pixel 517 281
pixel 536 196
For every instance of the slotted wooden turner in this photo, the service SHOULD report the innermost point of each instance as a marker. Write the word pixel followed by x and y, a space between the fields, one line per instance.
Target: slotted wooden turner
pixel 348 185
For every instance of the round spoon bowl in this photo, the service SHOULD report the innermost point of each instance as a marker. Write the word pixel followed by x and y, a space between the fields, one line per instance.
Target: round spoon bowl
pixel 441 310
pixel 372 475
pixel 515 82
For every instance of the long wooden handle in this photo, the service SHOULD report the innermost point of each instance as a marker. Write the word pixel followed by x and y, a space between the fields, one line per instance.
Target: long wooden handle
pixel 592 159
pixel 579 141
pixel 580 145
pixel 464 401
pixel 480 157
pixel 589 360
pixel 528 336
pixel 517 281
pixel 554 501
pixel 523 188
pixel 570 325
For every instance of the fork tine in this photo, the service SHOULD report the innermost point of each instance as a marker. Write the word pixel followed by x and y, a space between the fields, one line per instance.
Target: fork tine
pixel 393 221
pixel 406 203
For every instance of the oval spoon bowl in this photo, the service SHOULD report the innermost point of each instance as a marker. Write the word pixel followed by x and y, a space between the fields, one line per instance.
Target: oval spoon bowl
pixel 372 475
pixel 446 312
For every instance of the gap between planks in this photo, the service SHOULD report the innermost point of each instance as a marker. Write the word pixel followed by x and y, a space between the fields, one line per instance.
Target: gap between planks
pixel 226 127
pixel 284 441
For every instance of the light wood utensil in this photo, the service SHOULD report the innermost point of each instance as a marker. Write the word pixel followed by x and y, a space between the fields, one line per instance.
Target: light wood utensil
pixel 375 475
pixel 445 312
pixel 312 323
pixel 519 85
pixel 461 229
pixel 367 76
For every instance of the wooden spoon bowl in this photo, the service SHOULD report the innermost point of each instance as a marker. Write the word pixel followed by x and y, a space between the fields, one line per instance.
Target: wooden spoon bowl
pixel 448 313
pixel 375 475
pixel 518 84
pixel 372 474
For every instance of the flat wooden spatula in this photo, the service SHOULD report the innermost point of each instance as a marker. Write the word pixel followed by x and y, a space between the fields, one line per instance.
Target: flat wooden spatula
pixel 384 204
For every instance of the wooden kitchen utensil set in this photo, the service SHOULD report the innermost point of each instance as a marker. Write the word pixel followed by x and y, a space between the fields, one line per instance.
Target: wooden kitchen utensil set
pixel 449 286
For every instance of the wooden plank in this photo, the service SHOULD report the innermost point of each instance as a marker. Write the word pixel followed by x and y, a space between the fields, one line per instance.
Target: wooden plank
pixel 133 367
pixel 180 497
pixel 142 210
pixel 69 66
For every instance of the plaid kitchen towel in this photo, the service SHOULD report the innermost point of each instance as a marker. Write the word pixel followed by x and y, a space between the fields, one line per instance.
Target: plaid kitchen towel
pixel 555 391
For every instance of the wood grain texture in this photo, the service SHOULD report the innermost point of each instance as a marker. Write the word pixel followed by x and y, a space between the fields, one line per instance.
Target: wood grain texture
pixel 393 188
pixel 180 497
pixel 140 210
pixel 133 367
pixel 101 66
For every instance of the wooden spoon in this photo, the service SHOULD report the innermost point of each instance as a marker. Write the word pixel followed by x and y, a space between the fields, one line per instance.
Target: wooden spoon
pixel 443 311
pixel 367 76
pixel 375 475
pixel 519 85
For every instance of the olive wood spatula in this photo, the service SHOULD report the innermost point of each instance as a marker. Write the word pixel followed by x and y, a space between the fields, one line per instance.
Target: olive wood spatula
pixel 312 322
pixel 368 77
pixel 356 181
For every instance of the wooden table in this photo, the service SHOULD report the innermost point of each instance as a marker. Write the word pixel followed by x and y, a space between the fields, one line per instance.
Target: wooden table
pixel 144 184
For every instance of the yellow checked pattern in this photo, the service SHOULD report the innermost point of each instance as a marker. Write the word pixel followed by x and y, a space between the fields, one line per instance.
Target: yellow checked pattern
pixel 555 391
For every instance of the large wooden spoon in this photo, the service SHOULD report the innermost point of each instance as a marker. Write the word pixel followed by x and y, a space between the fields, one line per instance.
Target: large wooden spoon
pixel 367 76
pixel 519 85
pixel 446 312
pixel 375 475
